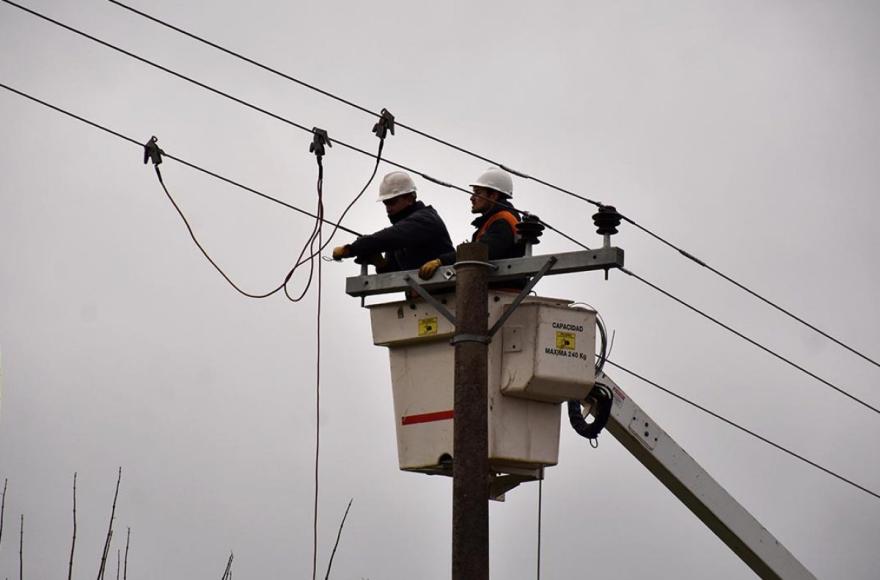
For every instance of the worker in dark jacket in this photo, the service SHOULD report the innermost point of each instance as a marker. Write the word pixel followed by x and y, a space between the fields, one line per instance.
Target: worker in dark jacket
pixel 417 233
pixel 496 226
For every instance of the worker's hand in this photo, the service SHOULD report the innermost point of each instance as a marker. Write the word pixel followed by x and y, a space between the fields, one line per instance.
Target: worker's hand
pixel 373 260
pixel 340 252
pixel 428 268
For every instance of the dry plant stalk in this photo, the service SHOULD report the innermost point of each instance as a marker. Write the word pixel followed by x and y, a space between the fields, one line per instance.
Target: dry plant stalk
pixel 109 528
pixel 227 573
pixel 338 535
pixel 21 550
pixel 3 508
pixel 73 540
pixel 125 566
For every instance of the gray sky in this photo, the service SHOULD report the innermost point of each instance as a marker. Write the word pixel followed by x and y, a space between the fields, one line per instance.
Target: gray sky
pixel 746 132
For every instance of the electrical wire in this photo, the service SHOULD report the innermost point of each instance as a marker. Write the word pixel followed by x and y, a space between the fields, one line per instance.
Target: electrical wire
pixel 744 430
pixel 748 290
pixel 652 383
pixel 255 107
pixel 540 509
pixel 576 242
pixel 202 249
pixel 319 227
pixel 753 342
pixel 359 150
pixel 278 117
pixel 336 225
pixel 484 158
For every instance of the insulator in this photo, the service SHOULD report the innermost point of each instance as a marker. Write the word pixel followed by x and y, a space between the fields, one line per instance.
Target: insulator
pixel 606 219
pixel 530 229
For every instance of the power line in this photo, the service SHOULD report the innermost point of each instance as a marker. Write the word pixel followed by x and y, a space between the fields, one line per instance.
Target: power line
pixel 626 271
pixel 260 110
pixel 750 340
pixel 744 429
pixel 178 159
pixel 225 94
pixel 744 288
pixel 357 149
pixel 129 139
pixel 466 151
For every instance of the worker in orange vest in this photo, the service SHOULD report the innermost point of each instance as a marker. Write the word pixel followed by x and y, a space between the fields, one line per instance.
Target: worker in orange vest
pixel 496 226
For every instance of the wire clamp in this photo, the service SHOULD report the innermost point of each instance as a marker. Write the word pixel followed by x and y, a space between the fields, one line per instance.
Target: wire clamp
pixel 385 124
pixel 319 140
pixel 470 338
pixel 475 263
pixel 152 152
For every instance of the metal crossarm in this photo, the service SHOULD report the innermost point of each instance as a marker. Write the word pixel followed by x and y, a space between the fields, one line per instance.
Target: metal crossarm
pixel 505 270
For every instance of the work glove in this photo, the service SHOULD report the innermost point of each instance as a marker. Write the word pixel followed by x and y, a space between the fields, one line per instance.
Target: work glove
pixel 428 268
pixel 340 252
pixel 373 260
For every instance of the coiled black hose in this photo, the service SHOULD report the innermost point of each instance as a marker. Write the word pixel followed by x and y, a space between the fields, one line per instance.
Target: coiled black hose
pixel 603 399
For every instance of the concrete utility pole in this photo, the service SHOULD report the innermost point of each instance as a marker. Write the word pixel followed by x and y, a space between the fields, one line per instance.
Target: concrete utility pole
pixel 470 487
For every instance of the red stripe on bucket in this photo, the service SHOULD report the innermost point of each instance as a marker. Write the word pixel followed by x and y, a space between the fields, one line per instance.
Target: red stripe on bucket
pixel 426 417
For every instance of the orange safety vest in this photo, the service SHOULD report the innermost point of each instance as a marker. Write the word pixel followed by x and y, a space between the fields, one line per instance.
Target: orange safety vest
pixel 511 221
pixel 501 215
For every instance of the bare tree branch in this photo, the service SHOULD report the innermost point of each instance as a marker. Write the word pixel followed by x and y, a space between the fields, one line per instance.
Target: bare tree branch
pixel 73 540
pixel 109 528
pixel 117 563
pixel 21 550
pixel 125 567
pixel 338 535
pixel 227 574
pixel 3 507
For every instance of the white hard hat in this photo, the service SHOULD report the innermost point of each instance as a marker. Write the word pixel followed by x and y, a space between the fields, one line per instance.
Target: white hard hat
pixel 395 184
pixel 497 179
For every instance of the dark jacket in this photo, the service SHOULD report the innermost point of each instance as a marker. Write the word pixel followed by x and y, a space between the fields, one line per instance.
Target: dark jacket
pixel 499 236
pixel 416 235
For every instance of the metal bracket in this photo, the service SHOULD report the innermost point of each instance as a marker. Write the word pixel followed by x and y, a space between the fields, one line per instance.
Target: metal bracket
pixel 522 295
pixel 470 338
pixel 476 263
pixel 430 299
pixel 644 429
pixel 508 269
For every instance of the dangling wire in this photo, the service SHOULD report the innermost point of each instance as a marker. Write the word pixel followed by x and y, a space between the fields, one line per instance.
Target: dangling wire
pixel 540 507
pixel 153 153
pixel 317 233
pixel 603 337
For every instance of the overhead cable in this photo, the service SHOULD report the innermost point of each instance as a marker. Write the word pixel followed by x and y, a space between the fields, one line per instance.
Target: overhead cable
pixel 250 105
pixel 717 416
pixel 751 341
pixel 573 240
pixel 466 151
pixel 359 150
pixel 745 430
pixel 222 93
pixel 178 159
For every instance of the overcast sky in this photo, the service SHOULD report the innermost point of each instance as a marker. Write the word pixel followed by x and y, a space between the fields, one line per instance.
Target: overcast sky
pixel 747 132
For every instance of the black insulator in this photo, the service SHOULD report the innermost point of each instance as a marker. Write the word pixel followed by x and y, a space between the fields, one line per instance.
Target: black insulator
pixel 606 219
pixel 530 229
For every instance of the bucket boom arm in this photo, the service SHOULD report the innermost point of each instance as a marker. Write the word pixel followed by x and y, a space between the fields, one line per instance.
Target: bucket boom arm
pixel 696 489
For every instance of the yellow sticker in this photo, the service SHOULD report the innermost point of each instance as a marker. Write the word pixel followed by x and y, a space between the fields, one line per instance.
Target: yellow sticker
pixel 565 340
pixel 428 326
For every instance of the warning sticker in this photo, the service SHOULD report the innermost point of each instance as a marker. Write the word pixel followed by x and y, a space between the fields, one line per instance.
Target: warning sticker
pixel 565 340
pixel 428 326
